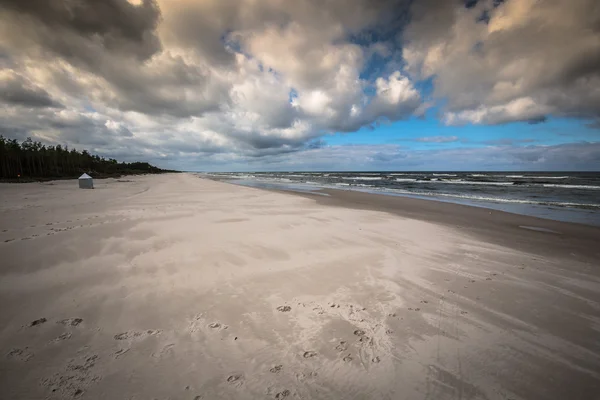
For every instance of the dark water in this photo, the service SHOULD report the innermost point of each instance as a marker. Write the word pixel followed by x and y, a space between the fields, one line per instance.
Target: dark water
pixel 566 196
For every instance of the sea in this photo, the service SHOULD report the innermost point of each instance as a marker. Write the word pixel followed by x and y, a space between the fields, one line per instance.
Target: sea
pixel 562 196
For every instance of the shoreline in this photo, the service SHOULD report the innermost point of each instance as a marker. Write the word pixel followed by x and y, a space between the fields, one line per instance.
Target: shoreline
pixel 559 238
pixel 533 195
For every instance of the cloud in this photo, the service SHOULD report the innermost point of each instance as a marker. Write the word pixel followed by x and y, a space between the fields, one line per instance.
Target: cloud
pixel 594 124
pixel 572 156
pixel 526 60
pixel 507 141
pixel 15 89
pixel 437 139
pixel 253 78
pixel 232 80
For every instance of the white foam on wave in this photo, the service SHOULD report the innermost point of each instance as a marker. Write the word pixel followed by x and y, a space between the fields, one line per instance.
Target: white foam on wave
pixel 461 182
pixel 493 199
pixel 405 180
pixel 363 178
pixel 548 177
pixel 536 177
pixel 584 187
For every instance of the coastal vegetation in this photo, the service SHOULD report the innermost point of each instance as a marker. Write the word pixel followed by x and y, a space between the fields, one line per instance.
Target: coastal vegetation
pixel 31 160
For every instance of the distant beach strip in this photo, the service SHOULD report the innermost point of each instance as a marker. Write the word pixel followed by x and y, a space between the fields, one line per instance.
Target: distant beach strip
pixel 562 196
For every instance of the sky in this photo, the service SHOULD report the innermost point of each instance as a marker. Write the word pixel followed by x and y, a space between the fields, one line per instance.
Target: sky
pixel 265 85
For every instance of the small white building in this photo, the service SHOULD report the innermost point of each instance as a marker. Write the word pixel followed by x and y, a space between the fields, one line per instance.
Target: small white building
pixel 86 182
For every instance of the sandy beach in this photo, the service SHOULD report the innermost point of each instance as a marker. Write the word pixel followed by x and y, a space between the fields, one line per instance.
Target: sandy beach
pixel 176 287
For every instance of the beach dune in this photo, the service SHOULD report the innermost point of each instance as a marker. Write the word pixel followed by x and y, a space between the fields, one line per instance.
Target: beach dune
pixel 176 287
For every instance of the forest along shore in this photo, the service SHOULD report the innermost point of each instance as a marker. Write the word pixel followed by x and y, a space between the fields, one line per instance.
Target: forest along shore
pixel 31 161
pixel 171 286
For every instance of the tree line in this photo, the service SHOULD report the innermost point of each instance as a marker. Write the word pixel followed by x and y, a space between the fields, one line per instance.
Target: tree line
pixel 30 160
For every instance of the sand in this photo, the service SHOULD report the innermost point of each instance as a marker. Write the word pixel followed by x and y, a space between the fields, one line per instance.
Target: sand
pixel 176 287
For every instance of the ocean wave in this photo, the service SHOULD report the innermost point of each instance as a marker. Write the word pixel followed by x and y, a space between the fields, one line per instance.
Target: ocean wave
pixel 445 175
pixel 363 178
pixel 478 175
pixel 459 182
pixel 584 187
pixel 495 199
pixel 242 176
pixel 536 177
pixel 405 180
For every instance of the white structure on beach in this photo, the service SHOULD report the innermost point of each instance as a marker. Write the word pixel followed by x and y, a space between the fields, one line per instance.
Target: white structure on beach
pixel 86 182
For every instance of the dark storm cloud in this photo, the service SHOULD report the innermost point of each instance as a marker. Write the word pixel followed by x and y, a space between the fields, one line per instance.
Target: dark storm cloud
pixel 14 89
pixel 112 40
pixel 113 24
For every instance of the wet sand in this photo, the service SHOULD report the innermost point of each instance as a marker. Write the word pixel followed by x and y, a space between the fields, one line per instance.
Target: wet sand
pixel 175 287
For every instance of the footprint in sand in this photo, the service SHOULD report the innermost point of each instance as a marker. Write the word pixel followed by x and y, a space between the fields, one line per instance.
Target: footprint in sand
pixel 359 332
pixel 71 321
pixel 301 376
pixel 284 308
pixel 76 377
pixel 38 322
pixel 237 379
pixel 375 360
pixel 20 355
pixel 282 394
pixel 343 346
pixel 366 340
pixel 8 240
pixel 136 334
pixel 276 369
pixel 309 354
pixel 119 353
pixel 217 326
pixel 64 336
pixel 166 351
pixel 348 358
